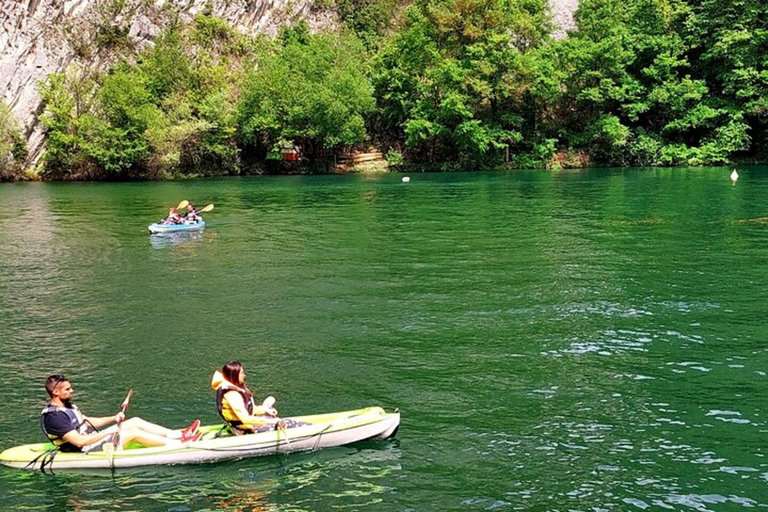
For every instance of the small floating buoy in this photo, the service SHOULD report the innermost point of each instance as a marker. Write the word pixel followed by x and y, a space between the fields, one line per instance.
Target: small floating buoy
pixel 406 179
pixel 734 176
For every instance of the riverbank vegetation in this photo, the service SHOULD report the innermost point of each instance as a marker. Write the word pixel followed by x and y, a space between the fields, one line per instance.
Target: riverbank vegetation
pixel 451 84
pixel 13 149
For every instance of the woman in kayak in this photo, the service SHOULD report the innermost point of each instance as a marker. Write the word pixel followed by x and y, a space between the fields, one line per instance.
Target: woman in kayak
pixel 235 404
pixel 172 218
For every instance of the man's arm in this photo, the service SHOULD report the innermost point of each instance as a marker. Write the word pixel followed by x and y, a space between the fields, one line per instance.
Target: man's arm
pixel 76 438
pixel 59 424
pixel 104 421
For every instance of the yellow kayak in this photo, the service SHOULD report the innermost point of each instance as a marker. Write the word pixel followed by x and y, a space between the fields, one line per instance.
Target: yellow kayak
pixel 318 431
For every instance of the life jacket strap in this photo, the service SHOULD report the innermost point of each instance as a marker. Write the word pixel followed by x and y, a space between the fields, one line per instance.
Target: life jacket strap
pixel 76 420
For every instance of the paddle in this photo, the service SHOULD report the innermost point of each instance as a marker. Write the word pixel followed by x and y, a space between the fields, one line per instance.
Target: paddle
pixel 206 208
pixel 116 437
pixel 182 204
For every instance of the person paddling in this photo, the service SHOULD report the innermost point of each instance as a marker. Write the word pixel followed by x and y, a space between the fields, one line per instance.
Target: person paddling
pixel 192 215
pixel 235 404
pixel 172 218
pixel 71 431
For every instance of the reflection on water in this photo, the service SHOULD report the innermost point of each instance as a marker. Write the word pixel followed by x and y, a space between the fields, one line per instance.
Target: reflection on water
pixel 260 484
pixel 166 240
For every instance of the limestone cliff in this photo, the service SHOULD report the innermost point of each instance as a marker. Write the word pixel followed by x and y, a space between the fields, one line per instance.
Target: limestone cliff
pixel 39 37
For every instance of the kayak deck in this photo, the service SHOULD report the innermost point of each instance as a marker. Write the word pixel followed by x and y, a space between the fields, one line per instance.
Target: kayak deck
pixel 157 228
pixel 319 431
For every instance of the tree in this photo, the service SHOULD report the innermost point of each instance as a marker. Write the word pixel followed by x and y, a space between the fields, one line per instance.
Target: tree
pixel 309 89
pixel 452 82
pixel 629 93
pixel 13 148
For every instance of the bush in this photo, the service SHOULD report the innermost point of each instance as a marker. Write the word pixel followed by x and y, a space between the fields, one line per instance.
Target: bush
pixel 13 148
pixel 394 158
pixel 311 90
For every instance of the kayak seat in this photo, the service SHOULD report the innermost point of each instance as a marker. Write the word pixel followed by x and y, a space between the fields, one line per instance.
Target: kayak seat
pixel 222 432
pixel 211 435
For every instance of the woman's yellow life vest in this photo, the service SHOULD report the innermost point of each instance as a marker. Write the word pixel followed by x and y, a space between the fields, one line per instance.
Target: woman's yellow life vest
pixel 222 387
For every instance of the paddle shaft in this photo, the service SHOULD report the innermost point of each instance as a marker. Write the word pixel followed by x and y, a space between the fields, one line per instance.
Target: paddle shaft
pixel 123 408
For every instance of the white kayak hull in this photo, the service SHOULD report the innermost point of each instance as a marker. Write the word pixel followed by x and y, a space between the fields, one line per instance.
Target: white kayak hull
pixel 321 431
pixel 156 229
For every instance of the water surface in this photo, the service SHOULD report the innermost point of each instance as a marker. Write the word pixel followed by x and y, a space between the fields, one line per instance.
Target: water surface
pixel 568 341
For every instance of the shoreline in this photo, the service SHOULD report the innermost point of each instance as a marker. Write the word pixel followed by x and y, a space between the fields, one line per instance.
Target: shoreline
pixel 378 170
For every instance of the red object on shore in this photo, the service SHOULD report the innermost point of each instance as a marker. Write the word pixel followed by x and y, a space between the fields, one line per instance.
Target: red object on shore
pixel 290 154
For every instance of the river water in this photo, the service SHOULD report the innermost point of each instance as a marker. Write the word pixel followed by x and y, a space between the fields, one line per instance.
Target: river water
pixel 566 341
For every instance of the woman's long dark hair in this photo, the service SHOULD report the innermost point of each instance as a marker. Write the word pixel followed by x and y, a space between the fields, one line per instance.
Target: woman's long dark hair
pixel 231 372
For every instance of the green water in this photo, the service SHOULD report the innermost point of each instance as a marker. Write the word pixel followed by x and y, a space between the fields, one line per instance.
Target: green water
pixel 573 341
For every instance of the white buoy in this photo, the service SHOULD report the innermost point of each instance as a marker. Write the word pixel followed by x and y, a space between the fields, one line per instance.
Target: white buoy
pixel 406 179
pixel 734 176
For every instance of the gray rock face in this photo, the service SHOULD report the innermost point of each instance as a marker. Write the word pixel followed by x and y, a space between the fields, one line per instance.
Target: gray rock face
pixel 40 37
pixel 562 16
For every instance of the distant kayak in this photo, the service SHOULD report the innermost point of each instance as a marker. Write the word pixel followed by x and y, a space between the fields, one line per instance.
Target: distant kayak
pixel 319 431
pixel 173 228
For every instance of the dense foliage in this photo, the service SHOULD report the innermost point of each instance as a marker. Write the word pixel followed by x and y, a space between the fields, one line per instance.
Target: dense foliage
pixel 455 83
pixel 630 91
pixel 13 149
pixel 170 111
pixel 452 82
pixel 307 89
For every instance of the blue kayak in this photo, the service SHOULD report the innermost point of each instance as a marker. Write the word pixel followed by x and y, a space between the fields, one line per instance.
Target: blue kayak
pixel 173 228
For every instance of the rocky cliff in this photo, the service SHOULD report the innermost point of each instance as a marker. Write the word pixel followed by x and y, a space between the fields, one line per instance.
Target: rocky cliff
pixel 39 37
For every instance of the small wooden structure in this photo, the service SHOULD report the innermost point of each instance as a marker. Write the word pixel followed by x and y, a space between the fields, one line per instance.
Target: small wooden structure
pixel 290 153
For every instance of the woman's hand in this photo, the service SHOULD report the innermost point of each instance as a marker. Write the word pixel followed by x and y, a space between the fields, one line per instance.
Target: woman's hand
pixel 119 417
pixel 267 406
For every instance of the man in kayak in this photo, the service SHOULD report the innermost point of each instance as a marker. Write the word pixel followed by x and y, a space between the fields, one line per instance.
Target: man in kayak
pixel 71 431
pixel 192 216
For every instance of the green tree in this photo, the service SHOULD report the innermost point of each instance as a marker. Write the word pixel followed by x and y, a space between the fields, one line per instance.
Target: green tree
pixel 169 112
pixel 369 19
pixel 309 89
pixel 70 100
pixel 13 148
pixel 628 92
pixel 729 41
pixel 451 84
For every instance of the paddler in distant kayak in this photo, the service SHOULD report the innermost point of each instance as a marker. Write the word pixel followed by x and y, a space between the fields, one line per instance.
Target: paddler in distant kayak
pixel 71 431
pixel 192 216
pixel 172 218
pixel 235 404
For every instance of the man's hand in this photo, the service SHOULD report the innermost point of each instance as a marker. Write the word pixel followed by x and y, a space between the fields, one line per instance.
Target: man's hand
pixel 119 417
